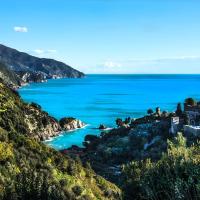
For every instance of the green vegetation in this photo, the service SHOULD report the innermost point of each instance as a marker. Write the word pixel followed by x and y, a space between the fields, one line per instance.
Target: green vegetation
pixel 20 117
pixel 150 111
pixel 30 170
pixel 190 101
pixel 179 111
pixel 8 76
pixel 175 176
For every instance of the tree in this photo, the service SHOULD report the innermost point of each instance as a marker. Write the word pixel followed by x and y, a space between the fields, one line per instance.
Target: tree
pixel 174 176
pixel 119 122
pixel 190 101
pixel 6 151
pixel 127 120
pixel 179 111
pixel 150 111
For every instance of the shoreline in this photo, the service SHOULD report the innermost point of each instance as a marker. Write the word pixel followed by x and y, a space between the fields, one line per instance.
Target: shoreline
pixel 98 119
pixel 57 134
pixel 62 133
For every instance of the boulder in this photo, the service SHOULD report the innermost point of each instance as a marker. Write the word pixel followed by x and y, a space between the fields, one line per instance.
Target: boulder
pixel 69 123
pixel 102 127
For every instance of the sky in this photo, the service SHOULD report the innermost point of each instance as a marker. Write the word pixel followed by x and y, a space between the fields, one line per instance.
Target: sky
pixel 107 36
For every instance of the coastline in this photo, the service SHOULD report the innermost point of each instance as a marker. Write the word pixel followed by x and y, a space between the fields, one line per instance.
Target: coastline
pixel 76 101
pixel 62 133
pixel 53 134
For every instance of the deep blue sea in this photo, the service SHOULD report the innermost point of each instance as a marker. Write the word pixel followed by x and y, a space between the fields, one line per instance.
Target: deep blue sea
pixel 100 99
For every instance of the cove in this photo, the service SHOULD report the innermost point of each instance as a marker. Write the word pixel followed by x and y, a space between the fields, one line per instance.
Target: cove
pixel 100 99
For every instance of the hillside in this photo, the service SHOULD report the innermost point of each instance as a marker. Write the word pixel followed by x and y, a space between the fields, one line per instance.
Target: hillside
pixel 30 68
pixel 30 169
pixel 8 76
pixel 21 117
pixel 145 159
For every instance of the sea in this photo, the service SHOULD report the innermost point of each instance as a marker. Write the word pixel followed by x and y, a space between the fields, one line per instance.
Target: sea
pixel 100 99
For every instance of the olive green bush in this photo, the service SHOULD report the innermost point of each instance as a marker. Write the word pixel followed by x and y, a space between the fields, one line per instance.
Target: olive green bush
pixel 175 176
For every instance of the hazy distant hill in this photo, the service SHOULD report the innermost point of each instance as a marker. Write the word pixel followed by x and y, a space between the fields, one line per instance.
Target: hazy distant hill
pixel 30 68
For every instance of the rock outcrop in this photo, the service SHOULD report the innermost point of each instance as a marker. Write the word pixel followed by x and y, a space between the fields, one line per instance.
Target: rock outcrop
pixel 102 127
pixel 70 123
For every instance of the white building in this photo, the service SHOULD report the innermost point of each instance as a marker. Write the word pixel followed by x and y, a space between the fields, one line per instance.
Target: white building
pixel 175 121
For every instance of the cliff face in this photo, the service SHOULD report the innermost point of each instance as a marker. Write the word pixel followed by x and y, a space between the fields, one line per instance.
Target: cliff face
pixel 32 69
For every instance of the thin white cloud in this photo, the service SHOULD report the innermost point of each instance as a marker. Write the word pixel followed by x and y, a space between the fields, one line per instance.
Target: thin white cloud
pixel 162 59
pixel 43 52
pixel 111 64
pixel 21 29
pixel 38 51
pixel 176 64
pixel 51 51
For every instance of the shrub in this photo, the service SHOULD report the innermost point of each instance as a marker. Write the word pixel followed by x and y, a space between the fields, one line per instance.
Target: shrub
pixel 175 176
pixel 190 101
pixel 6 151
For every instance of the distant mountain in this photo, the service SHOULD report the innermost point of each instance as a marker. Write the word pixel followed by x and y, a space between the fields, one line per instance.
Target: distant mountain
pixel 33 69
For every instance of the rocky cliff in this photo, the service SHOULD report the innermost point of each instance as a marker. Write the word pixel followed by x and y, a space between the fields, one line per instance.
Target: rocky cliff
pixel 68 124
pixel 29 118
pixel 33 69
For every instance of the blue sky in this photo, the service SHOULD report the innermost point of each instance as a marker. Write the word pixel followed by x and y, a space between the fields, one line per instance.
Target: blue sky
pixel 107 36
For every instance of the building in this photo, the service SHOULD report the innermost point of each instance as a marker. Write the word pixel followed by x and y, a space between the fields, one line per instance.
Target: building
pixel 190 108
pixel 175 124
pixel 193 113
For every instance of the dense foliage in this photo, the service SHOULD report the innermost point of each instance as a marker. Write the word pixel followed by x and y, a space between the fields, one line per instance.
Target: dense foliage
pixel 175 176
pixel 31 170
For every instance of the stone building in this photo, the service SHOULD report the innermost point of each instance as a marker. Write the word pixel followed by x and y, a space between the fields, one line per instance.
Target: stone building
pixel 175 124
pixel 193 113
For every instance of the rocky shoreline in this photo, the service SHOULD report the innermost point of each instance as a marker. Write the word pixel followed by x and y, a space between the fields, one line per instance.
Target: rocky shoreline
pixel 55 128
pixel 39 124
pixel 137 139
pixel 65 125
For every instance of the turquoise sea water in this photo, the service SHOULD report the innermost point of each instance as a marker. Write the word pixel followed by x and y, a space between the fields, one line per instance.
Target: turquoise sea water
pixel 100 99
